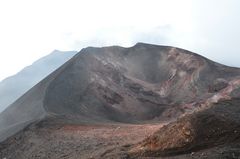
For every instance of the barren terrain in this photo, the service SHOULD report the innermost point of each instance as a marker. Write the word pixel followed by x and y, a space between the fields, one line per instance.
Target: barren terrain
pixel 73 141
pixel 146 101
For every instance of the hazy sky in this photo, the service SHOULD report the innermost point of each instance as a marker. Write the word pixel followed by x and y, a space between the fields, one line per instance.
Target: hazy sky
pixel 30 29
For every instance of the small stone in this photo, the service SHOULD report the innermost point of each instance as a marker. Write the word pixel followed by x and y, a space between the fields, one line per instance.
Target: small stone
pixel 187 133
pixel 192 153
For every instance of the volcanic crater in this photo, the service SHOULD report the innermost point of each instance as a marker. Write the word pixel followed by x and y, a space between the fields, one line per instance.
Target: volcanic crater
pixel 116 102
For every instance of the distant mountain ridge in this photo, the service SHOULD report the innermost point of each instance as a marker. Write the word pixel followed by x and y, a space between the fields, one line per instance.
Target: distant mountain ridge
pixel 15 86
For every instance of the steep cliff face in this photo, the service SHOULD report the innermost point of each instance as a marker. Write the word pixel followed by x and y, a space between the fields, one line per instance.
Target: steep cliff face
pixel 115 85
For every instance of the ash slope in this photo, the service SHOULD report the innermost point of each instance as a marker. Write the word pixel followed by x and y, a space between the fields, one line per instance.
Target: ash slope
pixel 15 86
pixel 124 85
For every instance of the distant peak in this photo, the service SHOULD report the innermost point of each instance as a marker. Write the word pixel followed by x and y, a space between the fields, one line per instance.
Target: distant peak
pixel 56 51
pixel 141 43
pixel 59 51
pixel 148 44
